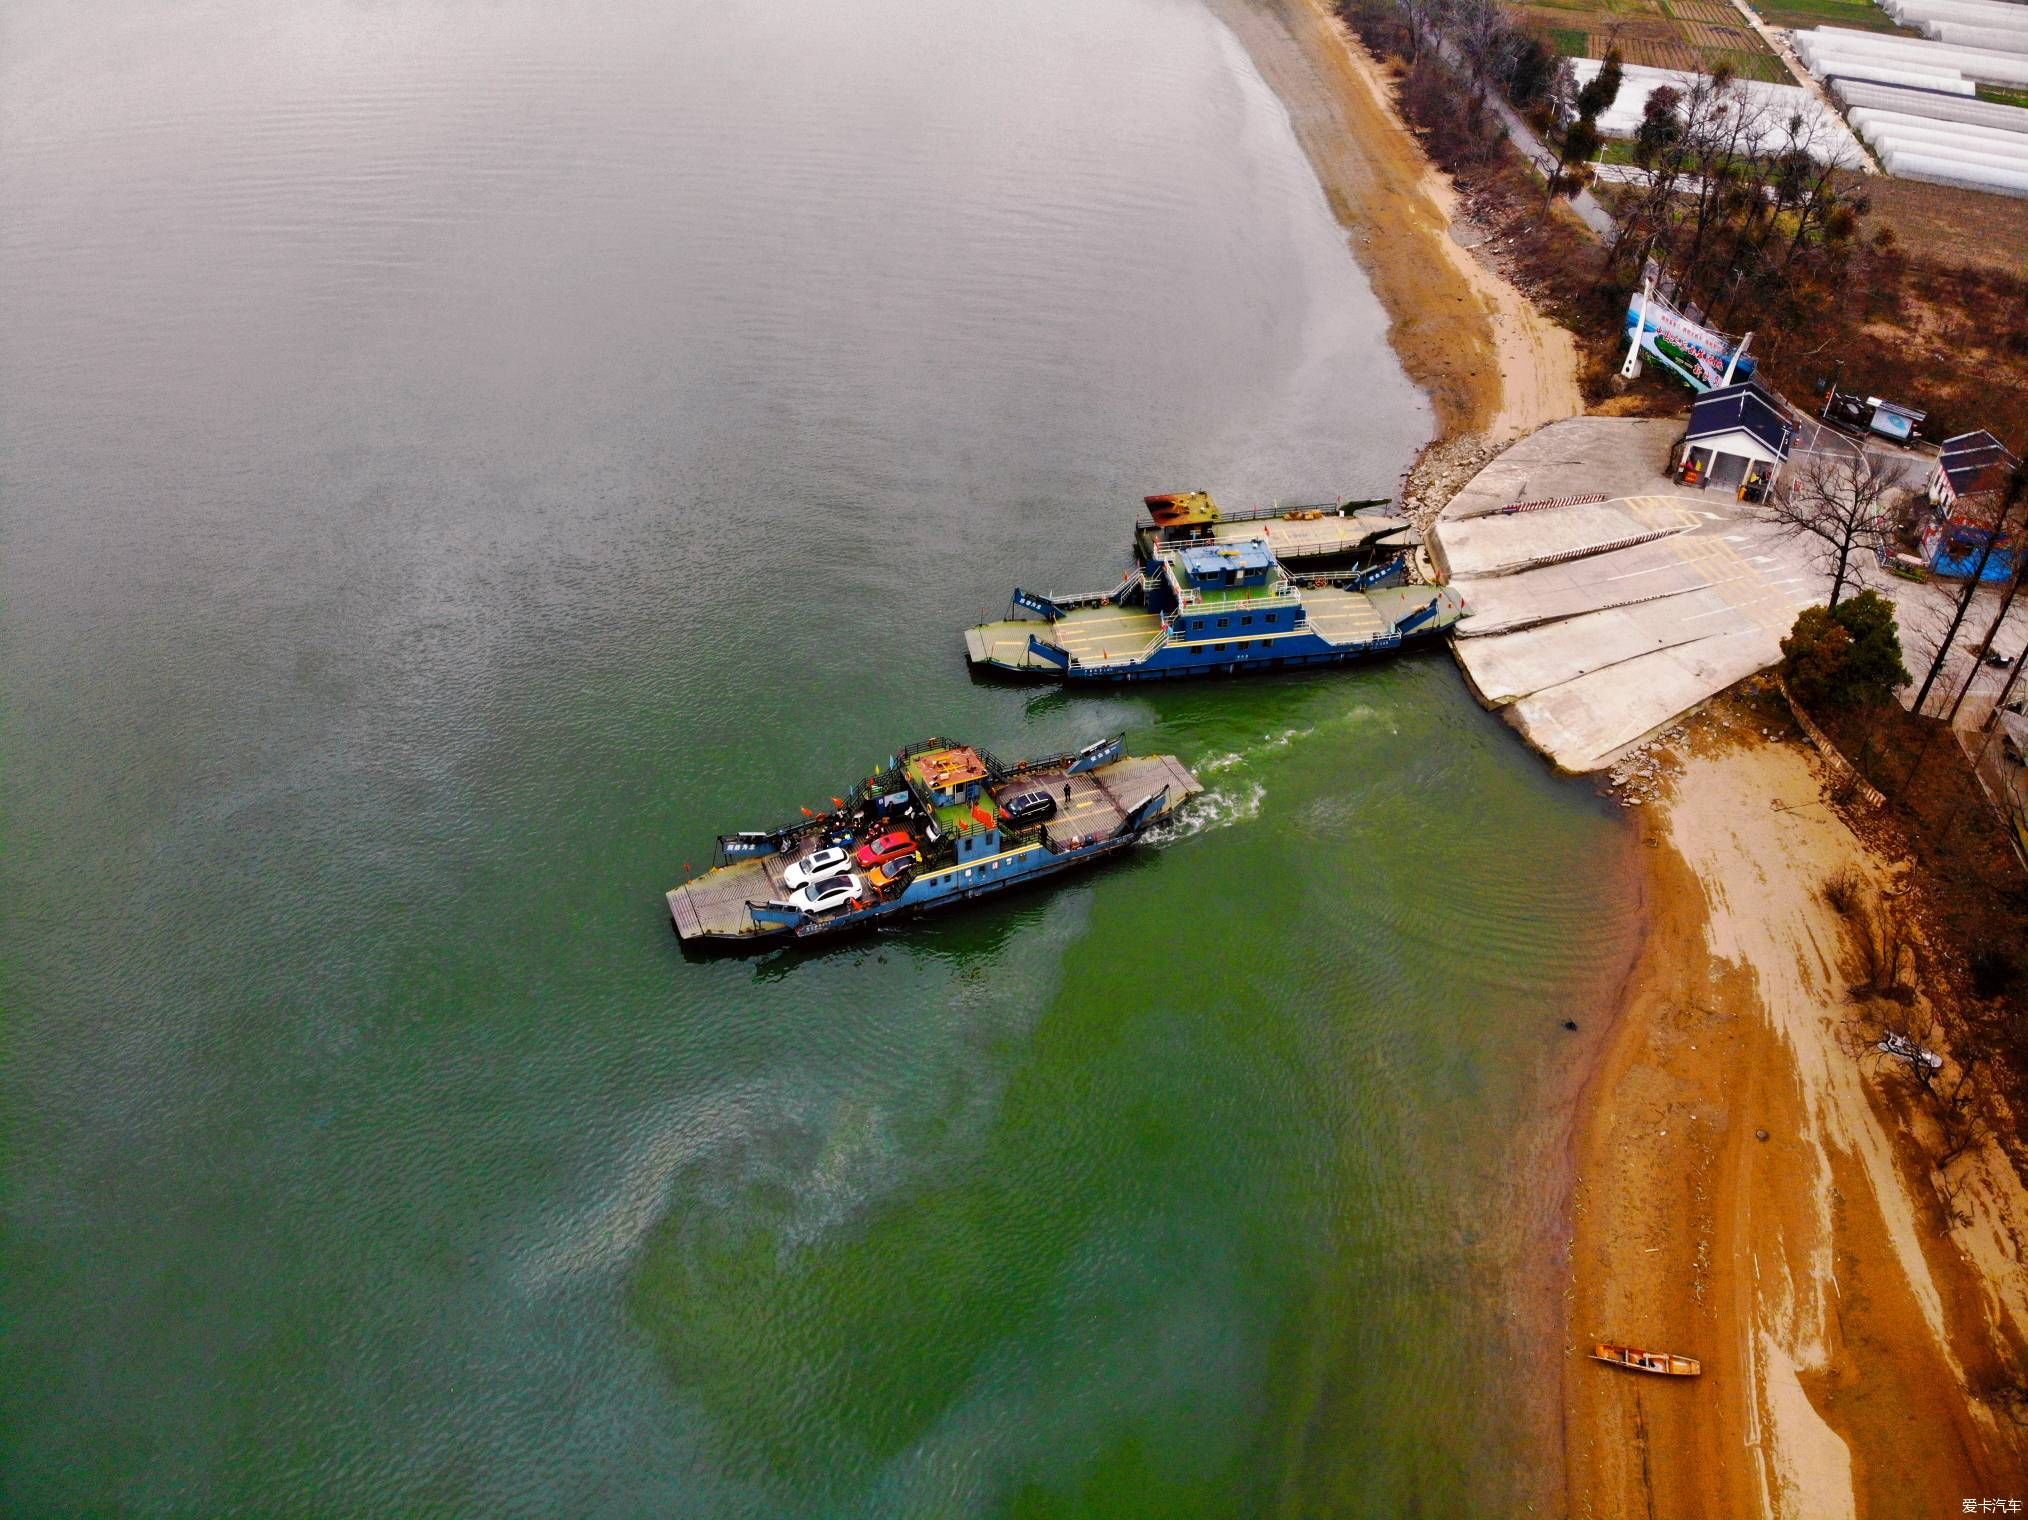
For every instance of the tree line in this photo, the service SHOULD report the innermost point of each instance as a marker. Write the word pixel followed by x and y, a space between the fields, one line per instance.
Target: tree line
pixel 1751 223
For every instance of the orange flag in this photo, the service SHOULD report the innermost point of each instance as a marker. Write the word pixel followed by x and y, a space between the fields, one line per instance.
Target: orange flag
pixel 808 814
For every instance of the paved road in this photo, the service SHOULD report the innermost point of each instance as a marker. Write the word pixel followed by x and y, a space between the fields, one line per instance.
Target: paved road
pixel 1594 216
pixel 1584 203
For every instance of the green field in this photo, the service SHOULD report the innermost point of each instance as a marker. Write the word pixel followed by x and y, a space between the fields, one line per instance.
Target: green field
pixel 1762 66
pixel 1670 34
pixel 1861 14
pixel 1999 94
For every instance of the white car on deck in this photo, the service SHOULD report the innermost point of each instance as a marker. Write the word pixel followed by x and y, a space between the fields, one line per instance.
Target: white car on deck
pixel 814 867
pixel 823 896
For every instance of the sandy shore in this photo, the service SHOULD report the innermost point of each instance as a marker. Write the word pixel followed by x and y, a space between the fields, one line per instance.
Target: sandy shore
pixel 1488 360
pixel 1840 1313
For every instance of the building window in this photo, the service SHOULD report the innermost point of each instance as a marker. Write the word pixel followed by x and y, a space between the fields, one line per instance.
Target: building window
pixel 1222 622
pixel 1271 617
pixel 1247 621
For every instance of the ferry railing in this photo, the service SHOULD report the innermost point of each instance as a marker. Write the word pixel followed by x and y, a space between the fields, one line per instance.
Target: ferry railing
pixel 1087 598
pixel 1124 661
pixel 1065 760
pixel 1362 579
pixel 881 783
pixel 1283 589
pixel 888 780
pixel 1131 579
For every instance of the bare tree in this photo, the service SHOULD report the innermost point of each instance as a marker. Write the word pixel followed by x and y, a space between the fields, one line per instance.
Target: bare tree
pixel 1839 502
pixel 1658 149
pixel 1486 42
pixel 1887 955
pixel 2001 520
pixel 1992 632
pixel 1926 624
pixel 1423 21
pixel 1721 127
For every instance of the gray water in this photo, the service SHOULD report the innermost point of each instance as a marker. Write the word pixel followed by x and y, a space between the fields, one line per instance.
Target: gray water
pixel 456 459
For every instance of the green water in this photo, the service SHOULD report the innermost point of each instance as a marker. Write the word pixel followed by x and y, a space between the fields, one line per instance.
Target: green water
pixel 454 461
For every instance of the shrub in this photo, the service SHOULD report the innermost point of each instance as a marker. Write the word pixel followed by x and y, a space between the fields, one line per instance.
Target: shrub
pixel 1813 656
pixel 1850 657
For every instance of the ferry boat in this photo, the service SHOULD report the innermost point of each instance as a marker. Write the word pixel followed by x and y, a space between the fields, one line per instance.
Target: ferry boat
pixel 939 824
pixel 1207 594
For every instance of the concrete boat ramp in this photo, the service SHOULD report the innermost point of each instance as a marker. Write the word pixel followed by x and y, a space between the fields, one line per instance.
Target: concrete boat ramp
pixel 1604 601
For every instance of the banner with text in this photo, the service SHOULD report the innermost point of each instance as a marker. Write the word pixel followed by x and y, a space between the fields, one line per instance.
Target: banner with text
pixel 1697 354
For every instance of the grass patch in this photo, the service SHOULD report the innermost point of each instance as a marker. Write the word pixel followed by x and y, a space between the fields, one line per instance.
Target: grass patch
pixel 2004 95
pixel 1861 15
pixel 1762 66
pixel 1569 41
pixel 1617 150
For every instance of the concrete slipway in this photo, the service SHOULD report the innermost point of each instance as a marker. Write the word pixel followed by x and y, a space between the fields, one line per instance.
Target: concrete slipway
pixel 1593 624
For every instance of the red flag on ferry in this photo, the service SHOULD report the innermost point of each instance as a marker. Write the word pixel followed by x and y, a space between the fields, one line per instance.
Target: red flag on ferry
pixel 808 814
pixel 837 802
pixel 985 818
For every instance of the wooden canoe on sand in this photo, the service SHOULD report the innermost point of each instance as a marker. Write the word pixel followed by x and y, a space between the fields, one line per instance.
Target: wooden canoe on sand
pixel 1667 1363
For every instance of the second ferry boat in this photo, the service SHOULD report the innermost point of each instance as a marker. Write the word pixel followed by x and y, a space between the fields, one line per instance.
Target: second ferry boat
pixel 937 825
pixel 1212 595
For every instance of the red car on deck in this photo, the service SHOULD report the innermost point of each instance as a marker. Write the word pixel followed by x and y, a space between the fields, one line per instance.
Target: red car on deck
pixel 887 847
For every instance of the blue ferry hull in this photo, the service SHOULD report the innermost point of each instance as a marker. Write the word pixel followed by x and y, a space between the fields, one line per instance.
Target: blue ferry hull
pixel 1173 662
pixel 907 909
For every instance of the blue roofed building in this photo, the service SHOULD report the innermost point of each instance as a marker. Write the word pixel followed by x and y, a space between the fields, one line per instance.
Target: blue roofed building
pixel 1738 438
pixel 1968 530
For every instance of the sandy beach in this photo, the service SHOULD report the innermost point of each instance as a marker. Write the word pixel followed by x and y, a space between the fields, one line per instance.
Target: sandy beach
pixel 1841 1312
pixel 1490 362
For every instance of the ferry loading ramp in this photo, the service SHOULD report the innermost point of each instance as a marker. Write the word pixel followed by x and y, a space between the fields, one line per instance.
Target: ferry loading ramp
pixel 1594 623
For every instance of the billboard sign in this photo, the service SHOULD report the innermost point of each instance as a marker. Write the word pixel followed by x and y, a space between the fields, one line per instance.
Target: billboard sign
pixel 1698 355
